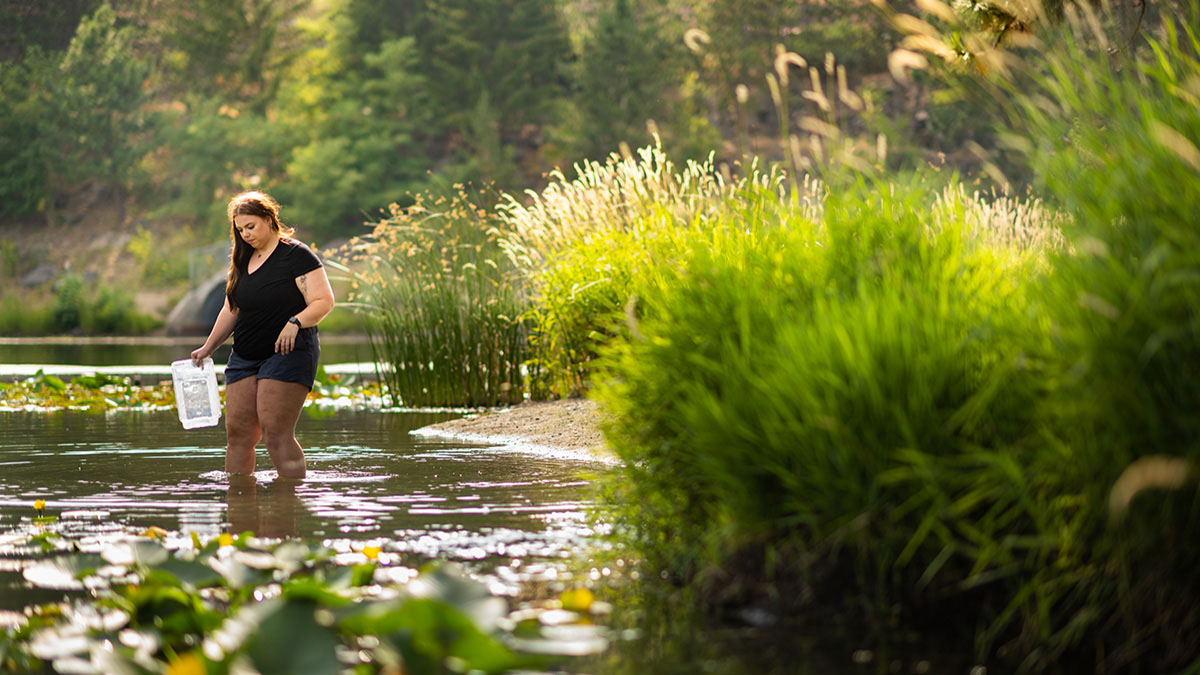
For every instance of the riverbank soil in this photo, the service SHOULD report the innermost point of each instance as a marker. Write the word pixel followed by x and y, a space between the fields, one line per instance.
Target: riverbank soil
pixel 568 424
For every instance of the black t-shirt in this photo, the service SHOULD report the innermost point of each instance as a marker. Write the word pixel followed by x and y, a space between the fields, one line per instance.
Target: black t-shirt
pixel 269 297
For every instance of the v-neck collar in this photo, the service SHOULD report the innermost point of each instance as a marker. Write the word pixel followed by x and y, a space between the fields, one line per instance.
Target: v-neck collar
pixel 265 260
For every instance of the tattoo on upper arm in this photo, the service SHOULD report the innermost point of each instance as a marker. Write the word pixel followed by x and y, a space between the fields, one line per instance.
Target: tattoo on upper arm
pixel 304 284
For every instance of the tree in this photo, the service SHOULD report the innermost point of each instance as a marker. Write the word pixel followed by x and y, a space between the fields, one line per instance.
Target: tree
pixel 47 25
pixel 494 68
pixel 22 150
pixel 71 118
pixel 363 147
pixel 625 78
pixel 238 49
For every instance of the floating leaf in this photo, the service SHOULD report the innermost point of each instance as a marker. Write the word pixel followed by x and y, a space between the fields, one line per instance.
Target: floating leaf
pixel 450 584
pixel 290 640
pixel 144 553
pixel 63 573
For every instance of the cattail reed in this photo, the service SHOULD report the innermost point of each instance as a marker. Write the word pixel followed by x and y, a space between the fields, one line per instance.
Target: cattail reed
pixel 445 305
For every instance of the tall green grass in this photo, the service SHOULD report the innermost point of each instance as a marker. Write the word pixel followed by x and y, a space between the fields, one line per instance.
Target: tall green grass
pixel 579 242
pixel 920 403
pixel 850 397
pixel 445 311
pixel 1113 140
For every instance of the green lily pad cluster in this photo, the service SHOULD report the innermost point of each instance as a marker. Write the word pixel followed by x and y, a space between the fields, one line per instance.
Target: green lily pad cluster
pixel 100 392
pixel 157 604
pixel 97 392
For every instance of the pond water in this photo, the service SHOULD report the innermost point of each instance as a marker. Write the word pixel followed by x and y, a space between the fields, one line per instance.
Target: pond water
pixel 151 351
pixel 368 479
pixel 517 519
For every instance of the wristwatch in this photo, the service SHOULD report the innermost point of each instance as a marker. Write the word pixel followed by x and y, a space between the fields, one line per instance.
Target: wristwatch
pixel 295 320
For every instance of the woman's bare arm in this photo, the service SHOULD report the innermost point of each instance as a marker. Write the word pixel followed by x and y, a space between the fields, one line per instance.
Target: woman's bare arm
pixel 221 330
pixel 318 295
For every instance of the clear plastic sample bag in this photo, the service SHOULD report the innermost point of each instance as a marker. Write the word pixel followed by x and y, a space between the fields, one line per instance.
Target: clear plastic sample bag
pixel 196 395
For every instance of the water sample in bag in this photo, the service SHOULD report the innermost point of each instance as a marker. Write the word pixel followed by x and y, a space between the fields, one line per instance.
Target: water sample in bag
pixel 196 394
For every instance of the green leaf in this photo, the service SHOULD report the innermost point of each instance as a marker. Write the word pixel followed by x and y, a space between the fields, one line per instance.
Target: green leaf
pixel 312 590
pixel 189 573
pixel 291 641
pixel 62 572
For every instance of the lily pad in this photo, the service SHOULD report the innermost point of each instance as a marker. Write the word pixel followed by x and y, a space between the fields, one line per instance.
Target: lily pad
pixel 63 573
pixel 291 641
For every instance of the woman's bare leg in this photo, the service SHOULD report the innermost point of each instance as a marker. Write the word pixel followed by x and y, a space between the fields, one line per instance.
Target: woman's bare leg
pixel 242 431
pixel 279 405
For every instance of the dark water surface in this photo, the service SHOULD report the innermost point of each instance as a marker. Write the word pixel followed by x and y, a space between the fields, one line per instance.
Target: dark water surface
pixel 368 479
pixel 518 518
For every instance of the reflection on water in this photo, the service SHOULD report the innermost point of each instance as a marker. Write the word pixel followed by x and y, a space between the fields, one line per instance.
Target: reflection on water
pixel 269 510
pixel 369 479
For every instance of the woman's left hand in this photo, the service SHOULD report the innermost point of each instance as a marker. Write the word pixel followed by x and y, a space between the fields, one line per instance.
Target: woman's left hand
pixel 286 341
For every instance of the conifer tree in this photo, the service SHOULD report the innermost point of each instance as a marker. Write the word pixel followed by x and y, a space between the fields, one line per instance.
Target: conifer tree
pixel 624 79
pixel 504 61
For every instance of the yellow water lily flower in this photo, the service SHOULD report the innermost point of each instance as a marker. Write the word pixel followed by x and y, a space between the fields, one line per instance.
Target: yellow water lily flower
pixel 225 539
pixel 188 664
pixel 39 505
pixel 577 599
pixel 155 532
pixel 372 552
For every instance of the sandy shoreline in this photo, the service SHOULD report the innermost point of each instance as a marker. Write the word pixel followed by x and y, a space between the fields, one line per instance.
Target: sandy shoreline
pixel 567 427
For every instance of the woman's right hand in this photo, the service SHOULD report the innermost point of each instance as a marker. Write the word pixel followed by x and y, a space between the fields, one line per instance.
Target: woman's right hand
pixel 200 354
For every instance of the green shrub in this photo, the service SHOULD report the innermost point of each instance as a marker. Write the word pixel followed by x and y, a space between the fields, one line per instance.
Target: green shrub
pixel 21 316
pixel 160 264
pixel 853 385
pixel 70 303
pixel 101 311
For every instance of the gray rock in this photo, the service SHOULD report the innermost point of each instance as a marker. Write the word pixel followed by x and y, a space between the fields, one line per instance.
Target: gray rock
pixel 40 275
pixel 196 312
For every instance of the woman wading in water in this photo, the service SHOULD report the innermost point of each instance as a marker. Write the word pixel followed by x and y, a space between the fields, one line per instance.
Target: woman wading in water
pixel 276 295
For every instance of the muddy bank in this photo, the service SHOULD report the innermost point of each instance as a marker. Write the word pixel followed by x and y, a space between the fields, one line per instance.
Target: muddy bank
pixel 567 426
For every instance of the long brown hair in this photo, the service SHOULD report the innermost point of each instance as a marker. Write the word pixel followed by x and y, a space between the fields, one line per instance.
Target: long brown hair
pixel 249 204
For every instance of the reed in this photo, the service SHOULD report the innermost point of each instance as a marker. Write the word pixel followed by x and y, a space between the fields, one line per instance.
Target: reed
pixel 445 309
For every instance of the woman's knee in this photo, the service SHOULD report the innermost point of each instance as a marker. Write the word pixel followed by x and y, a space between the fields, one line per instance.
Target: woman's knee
pixel 242 431
pixel 279 438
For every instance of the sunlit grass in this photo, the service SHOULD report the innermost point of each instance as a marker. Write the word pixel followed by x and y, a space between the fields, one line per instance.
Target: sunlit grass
pixel 444 306
pixel 795 387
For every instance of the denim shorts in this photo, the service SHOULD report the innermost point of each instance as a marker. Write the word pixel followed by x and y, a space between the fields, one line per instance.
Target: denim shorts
pixel 298 365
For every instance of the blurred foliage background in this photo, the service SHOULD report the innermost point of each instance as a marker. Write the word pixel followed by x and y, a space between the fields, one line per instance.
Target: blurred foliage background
pixel 342 107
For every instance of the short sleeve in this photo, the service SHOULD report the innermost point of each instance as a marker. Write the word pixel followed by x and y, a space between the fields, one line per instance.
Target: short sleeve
pixel 302 260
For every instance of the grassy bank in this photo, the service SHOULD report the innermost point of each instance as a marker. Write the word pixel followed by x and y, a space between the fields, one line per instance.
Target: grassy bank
pixel 881 406
pixel 889 393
